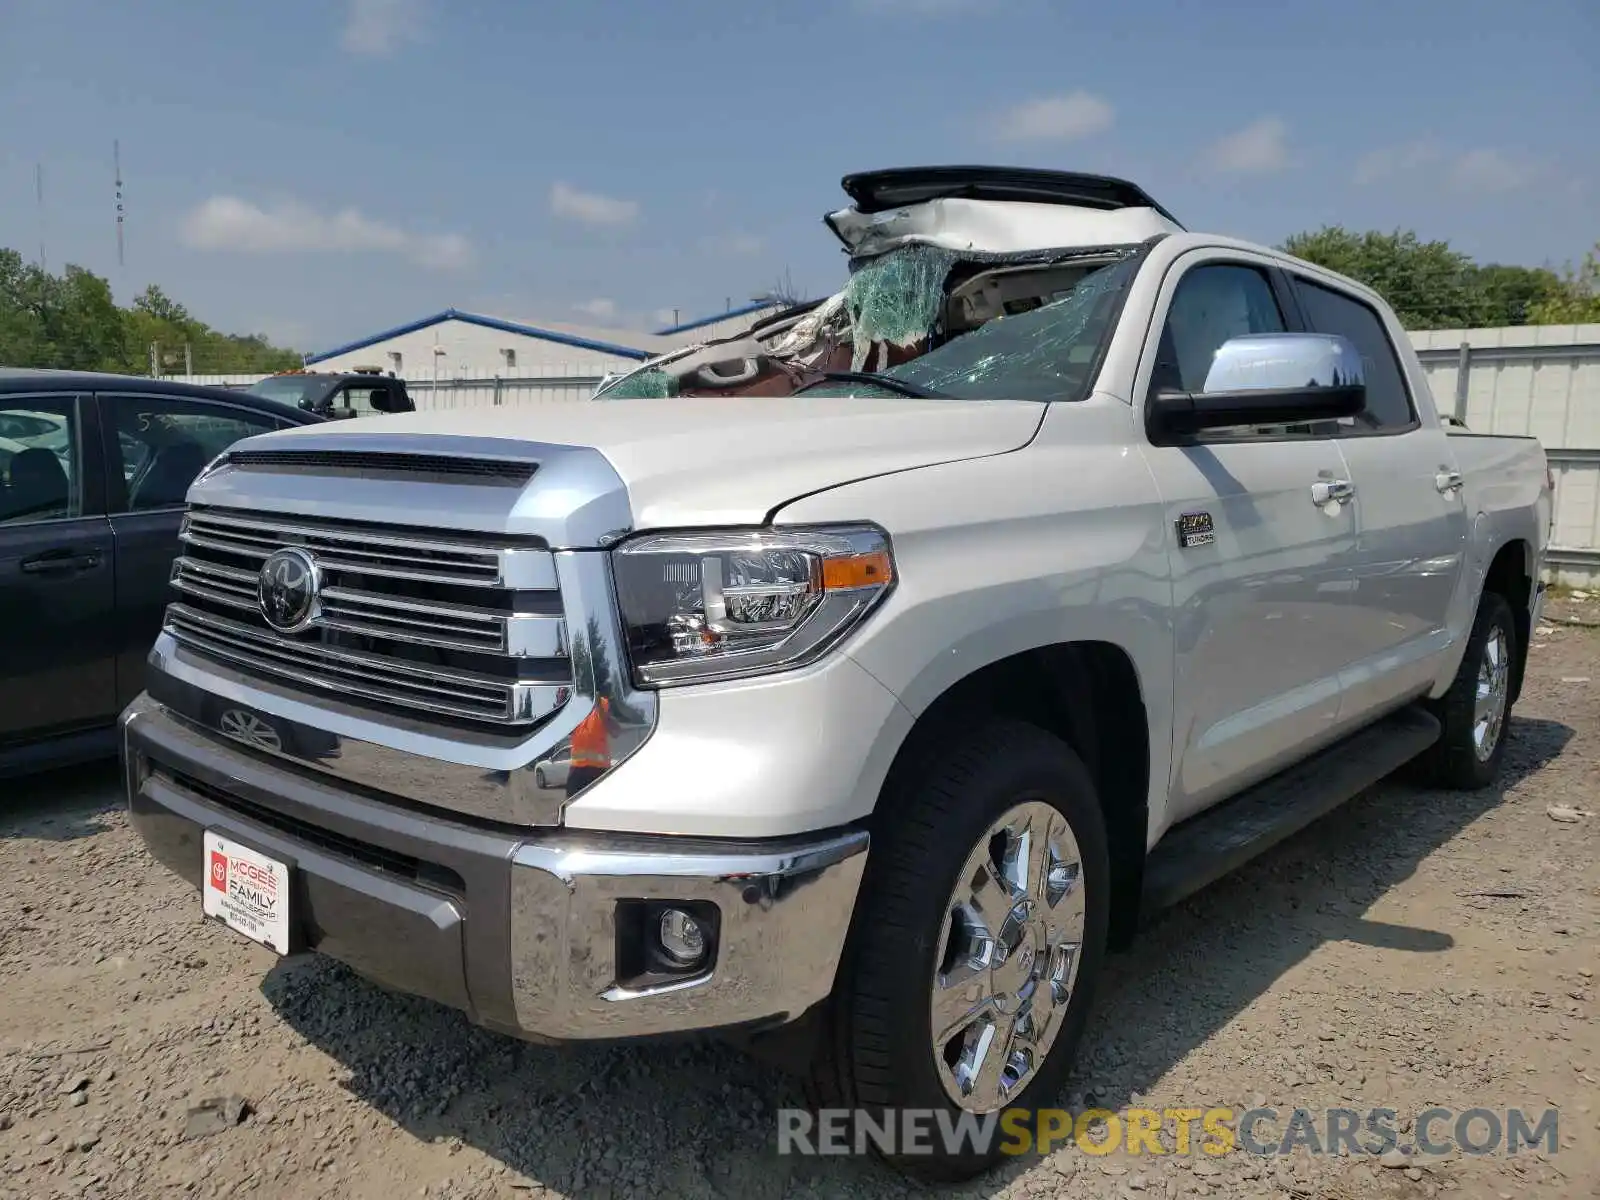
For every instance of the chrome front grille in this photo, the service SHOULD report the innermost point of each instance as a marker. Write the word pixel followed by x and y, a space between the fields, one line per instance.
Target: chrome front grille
pixel 426 558
pixel 452 626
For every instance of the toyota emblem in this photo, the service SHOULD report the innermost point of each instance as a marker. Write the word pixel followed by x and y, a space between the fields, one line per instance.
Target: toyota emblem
pixel 287 589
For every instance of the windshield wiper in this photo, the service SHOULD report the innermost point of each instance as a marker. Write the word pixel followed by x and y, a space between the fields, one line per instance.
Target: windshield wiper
pixel 887 382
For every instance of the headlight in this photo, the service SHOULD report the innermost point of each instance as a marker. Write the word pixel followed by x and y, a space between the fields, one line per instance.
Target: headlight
pixel 211 467
pixel 728 603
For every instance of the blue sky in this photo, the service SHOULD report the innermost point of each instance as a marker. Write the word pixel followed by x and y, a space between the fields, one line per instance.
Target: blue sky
pixel 319 169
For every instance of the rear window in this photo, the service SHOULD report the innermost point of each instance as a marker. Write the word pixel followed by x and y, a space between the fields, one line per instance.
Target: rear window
pixel 292 391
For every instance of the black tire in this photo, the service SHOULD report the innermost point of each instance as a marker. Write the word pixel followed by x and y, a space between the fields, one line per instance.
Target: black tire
pixel 1455 762
pixel 878 1052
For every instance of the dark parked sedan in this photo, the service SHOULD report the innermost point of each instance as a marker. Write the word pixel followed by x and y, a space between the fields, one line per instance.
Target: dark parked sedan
pixel 93 474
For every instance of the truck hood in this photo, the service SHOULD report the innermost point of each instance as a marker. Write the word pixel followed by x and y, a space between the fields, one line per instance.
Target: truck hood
pixel 699 461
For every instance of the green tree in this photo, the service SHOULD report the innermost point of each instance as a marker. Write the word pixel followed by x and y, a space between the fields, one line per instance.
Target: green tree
pixel 1430 285
pixel 85 325
pixel 22 339
pixel 1577 300
pixel 71 321
pixel 1515 294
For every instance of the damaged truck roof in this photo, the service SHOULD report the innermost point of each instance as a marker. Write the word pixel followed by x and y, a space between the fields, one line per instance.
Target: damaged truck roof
pixel 874 191
pixel 996 210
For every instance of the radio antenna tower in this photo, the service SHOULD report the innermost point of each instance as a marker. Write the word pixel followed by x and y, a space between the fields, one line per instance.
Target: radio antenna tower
pixel 38 190
pixel 116 163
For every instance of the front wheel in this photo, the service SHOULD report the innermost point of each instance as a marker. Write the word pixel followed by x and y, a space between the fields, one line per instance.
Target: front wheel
pixel 979 936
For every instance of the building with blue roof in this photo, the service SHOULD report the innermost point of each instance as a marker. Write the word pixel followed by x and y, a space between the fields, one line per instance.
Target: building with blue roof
pixel 457 344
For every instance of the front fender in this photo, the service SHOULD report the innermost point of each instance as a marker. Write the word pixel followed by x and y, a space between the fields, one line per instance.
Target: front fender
pixel 1063 541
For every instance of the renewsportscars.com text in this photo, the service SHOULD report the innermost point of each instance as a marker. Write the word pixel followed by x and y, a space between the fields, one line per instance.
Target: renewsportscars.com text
pixel 1169 1131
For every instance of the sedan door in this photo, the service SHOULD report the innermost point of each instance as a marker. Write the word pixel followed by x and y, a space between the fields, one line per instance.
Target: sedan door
pixel 155 446
pixel 57 597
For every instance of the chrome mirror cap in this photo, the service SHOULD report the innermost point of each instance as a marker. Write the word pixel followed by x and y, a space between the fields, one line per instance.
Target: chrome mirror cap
pixel 1285 362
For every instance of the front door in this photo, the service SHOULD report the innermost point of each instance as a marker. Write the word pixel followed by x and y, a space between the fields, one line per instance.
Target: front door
pixel 57 599
pixel 1263 611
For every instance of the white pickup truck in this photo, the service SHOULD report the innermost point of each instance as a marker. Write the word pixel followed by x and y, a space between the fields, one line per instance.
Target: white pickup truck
pixel 855 686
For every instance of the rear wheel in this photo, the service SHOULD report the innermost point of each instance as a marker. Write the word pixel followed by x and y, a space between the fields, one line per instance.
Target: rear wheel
pixel 979 935
pixel 1476 711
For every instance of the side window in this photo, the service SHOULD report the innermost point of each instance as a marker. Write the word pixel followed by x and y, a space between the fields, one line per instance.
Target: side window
pixel 41 449
pixel 368 399
pixel 164 442
pixel 1328 311
pixel 1212 304
pixel 359 398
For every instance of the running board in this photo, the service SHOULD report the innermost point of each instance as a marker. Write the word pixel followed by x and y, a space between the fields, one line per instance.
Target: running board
pixel 1203 849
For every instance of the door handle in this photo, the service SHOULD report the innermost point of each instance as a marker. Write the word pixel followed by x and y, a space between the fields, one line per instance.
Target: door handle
pixel 1447 482
pixel 1325 491
pixel 47 563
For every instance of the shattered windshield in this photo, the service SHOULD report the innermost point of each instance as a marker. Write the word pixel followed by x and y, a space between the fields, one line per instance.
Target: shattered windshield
pixel 1042 354
pixel 921 321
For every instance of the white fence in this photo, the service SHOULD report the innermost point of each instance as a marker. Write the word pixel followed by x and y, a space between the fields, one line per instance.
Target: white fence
pixel 1542 380
pixel 544 384
pixel 527 387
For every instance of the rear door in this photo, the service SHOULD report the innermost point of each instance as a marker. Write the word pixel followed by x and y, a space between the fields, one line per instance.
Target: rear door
pixel 1411 519
pixel 57 601
pixel 155 445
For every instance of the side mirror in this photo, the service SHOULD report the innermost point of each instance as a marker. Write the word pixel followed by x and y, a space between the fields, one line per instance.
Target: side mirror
pixel 1267 379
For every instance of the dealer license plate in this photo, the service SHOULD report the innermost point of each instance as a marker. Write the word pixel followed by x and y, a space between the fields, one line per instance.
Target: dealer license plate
pixel 247 891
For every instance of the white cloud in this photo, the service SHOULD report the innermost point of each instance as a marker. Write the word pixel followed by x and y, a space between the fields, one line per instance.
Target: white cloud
pixel 229 223
pixel 1390 161
pixel 1056 118
pixel 1258 148
pixel 591 207
pixel 733 243
pixel 1489 170
pixel 378 28
pixel 1480 170
pixel 600 309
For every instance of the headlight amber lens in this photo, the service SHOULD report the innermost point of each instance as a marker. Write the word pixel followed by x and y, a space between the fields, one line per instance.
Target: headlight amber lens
pixel 723 604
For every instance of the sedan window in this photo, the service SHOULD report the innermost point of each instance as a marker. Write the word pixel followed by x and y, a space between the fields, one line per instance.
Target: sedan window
pixel 39 455
pixel 165 441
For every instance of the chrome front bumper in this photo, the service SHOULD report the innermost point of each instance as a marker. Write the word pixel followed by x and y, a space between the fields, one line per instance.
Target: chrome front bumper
pixel 521 931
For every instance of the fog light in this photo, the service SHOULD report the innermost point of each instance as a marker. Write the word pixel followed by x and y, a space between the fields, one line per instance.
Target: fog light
pixel 682 939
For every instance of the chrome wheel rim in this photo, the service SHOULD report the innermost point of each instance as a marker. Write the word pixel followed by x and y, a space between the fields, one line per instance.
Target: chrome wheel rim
pixel 1494 687
pixel 1009 949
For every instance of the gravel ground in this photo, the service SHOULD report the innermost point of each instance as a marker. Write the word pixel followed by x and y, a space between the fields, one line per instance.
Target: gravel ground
pixel 1412 949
